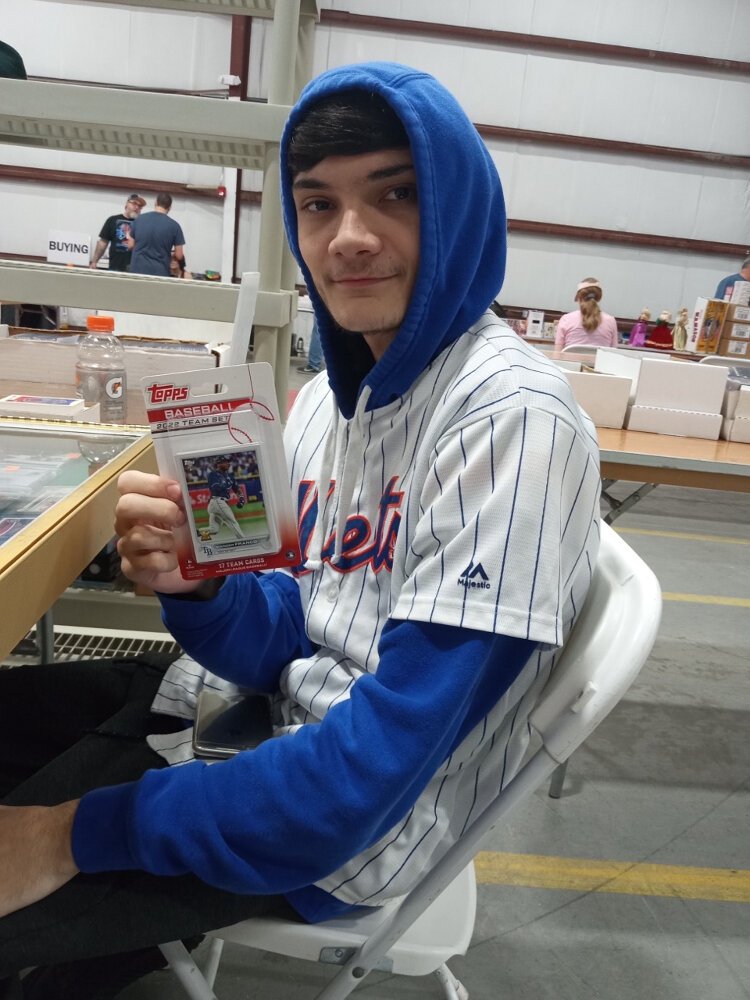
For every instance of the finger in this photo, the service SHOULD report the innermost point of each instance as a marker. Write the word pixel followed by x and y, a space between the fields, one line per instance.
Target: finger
pixel 135 508
pixel 146 566
pixel 143 538
pixel 149 485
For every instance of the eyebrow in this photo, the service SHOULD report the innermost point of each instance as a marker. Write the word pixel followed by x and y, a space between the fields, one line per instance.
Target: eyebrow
pixel 384 173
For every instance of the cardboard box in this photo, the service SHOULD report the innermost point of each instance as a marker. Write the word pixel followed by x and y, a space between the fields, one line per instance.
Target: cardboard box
pixel 681 423
pixel 51 357
pixel 680 398
pixel 738 314
pixel 603 397
pixel 706 324
pixel 146 326
pixel 734 348
pixel 25 404
pixel 736 410
pixel 735 331
pixel 736 400
pixel 684 386
pixel 56 407
pixel 741 293
pixel 535 323
pixel 625 364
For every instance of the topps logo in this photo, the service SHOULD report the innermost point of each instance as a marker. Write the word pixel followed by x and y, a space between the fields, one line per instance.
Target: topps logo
pixel 167 393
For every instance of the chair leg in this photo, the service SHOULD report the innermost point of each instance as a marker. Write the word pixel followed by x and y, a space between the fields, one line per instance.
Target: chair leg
pixel 453 989
pixel 188 973
pixel 212 963
pixel 557 780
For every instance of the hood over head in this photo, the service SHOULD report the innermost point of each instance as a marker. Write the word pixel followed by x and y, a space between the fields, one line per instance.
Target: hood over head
pixel 462 229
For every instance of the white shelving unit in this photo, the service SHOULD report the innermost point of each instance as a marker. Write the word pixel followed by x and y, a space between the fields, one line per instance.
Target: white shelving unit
pixel 119 292
pixel 235 134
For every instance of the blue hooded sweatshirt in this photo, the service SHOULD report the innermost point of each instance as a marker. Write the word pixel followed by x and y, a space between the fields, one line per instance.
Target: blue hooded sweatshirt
pixel 462 227
pixel 279 818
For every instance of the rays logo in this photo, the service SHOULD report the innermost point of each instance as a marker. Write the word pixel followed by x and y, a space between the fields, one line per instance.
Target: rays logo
pixel 474 578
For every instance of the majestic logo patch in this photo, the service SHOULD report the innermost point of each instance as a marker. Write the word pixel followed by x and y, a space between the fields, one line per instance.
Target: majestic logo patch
pixel 474 578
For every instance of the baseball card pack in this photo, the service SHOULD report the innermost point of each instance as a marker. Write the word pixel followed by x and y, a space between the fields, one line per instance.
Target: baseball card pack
pixel 222 443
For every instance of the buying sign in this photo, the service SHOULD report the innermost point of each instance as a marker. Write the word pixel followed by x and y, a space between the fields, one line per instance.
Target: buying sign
pixel 64 247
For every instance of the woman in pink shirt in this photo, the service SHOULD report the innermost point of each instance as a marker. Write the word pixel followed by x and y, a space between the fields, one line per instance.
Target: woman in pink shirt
pixel 588 324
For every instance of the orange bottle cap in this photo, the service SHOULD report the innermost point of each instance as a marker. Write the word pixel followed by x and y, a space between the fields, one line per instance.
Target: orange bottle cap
pixel 100 324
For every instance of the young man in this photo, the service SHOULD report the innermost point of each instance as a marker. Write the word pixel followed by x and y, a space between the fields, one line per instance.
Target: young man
pixel 114 234
pixel 155 239
pixel 447 495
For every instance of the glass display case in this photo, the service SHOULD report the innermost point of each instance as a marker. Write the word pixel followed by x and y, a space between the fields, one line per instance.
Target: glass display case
pixel 58 489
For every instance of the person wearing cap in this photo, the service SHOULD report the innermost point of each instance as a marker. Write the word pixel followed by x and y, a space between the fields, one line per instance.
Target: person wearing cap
pixel 726 285
pixel 114 234
pixel 587 325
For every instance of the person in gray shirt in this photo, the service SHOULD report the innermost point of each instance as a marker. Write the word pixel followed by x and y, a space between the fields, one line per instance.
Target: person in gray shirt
pixel 154 238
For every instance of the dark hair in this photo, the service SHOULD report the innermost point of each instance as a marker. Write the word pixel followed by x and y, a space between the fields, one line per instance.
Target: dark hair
pixel 164 200
pixel 345 124
pixel 11 63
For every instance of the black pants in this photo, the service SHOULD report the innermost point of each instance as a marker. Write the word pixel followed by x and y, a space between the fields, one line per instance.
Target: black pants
pixel 68 728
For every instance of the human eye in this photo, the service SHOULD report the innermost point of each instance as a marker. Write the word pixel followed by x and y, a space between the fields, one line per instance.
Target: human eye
pixel 315 205
pixel 402 192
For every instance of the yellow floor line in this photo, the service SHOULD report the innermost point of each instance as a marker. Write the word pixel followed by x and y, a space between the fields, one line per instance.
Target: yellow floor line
pixel 683 535
pixel 585 875
pixel 730 602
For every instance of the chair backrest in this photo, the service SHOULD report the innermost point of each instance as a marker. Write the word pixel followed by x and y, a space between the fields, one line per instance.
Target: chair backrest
pixel 606 649
pixel 612 638
pixel 580 349
pixel 716 359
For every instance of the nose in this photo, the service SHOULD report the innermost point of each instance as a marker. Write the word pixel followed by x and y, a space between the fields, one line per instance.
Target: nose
pixel 354 235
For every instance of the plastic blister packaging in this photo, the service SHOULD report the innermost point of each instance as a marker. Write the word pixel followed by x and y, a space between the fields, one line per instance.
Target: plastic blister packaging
pixel 221 441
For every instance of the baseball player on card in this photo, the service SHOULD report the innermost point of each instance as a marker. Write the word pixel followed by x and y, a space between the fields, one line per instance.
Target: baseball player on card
pixel 221 485
pixel 447 490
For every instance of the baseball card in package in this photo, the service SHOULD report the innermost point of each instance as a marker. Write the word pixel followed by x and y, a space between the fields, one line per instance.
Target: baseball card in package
pixel 222 443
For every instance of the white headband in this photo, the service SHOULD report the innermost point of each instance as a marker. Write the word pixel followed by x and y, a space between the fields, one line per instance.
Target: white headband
pixel 588 284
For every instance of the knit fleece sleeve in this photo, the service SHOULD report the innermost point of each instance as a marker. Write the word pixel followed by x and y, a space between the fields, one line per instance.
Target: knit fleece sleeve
pixel 247 633
pixel 290 812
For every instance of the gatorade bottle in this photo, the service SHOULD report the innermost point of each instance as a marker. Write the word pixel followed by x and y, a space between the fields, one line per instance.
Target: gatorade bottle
pixel 100 369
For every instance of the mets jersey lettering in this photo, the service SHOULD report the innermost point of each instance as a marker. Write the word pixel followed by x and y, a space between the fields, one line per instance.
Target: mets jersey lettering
pixel 361 545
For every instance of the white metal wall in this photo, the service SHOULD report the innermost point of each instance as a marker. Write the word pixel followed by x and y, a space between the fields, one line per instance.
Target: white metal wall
pixel 564 93
pixel 131 46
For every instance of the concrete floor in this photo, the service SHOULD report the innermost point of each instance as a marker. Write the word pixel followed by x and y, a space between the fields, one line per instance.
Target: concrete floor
pixel 665 780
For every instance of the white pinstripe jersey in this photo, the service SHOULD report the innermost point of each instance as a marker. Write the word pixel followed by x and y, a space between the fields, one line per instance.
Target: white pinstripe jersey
pixel 472 501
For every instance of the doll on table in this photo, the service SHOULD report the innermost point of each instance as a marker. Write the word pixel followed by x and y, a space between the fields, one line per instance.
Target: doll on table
pixel 661 335
pixel 640 329
pixel 679 334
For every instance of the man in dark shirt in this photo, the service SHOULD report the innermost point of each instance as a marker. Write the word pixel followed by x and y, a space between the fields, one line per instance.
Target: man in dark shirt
pixel 114 234
pixel 154 237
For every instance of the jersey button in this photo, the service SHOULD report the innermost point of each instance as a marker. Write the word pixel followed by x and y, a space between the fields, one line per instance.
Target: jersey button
pixel 333 593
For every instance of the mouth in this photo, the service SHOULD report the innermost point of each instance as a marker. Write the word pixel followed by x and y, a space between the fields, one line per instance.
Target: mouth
pixel 361 281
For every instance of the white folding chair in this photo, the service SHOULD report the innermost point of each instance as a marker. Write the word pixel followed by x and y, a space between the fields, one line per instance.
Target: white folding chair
pixel 717 359
pixel 610 643
pixel 580 349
